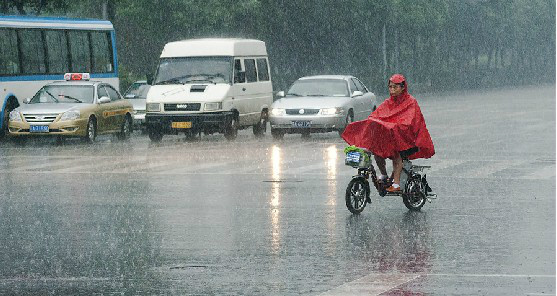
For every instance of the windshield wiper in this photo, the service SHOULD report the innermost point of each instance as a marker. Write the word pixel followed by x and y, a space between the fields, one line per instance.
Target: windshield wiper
pixel 293 94
pixel 208 78
pixel 316 95
pixel 171 81
pixel 72 98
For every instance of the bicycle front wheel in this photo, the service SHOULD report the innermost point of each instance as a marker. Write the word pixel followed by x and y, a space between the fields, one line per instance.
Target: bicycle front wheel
pixel 357 195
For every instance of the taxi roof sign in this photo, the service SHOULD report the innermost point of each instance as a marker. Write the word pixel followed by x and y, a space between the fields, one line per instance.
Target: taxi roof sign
pixel 77 76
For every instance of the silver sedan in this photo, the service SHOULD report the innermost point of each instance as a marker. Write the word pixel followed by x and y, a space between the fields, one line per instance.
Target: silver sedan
pixel 322 103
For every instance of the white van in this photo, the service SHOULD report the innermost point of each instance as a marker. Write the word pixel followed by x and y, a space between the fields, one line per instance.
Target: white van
pixel 210 85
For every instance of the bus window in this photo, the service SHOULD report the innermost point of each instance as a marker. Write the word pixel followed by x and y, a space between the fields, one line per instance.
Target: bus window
pixel 9 60
pixel 79 49
pixel 102 56
pixel 57 51
pixel 32 51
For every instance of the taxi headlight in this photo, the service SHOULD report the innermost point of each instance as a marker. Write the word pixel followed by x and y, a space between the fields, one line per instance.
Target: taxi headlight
pixel 70 115
pixel 277 112
pixel 153 107
pixel 15 116
pixel 213 106
pixel 331 111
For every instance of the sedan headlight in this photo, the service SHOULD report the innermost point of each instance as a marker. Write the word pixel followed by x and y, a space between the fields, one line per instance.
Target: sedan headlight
pixel 331 111
pixel 278 112
pixel 70 115
pixel 213 106
pixel 153 107
pixel 15 115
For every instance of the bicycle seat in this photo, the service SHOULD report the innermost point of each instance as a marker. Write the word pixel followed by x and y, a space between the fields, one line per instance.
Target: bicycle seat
pixel 406 153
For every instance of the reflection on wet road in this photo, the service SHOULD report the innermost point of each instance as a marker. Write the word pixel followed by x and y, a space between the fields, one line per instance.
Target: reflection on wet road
pixel 260 217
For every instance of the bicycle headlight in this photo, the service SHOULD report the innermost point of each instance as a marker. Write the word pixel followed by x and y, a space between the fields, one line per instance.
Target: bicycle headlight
pixel 213 106
pixel 278 112
pixel 153 107
pixel 15 115
pixel 70 115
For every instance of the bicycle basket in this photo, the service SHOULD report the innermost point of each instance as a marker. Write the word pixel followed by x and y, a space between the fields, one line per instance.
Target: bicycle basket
pixel 356 157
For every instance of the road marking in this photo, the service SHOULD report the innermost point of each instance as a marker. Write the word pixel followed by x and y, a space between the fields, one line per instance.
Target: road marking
pixel 373 284
pixel 379 283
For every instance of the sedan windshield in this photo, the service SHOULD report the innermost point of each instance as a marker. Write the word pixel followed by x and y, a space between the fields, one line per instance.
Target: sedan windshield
pixel 319 88
pixel 194 70
pixel 64 94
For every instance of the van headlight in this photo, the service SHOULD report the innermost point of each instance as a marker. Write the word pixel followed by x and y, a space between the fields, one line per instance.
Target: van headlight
pixel 15 115
pixel 153 107
pixel 331 111
pixel 213 106
pixel 70 115
pixel 278 112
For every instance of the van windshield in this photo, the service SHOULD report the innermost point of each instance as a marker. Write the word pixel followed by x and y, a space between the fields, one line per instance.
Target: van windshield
pixel 194 70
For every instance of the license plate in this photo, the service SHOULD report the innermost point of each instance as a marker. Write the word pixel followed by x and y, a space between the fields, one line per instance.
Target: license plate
pixel 186 124
pixel 38 129
pixel 301 123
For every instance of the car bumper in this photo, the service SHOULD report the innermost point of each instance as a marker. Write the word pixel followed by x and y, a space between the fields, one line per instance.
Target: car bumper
pixel 76 127
pixel 208 122
pixel 139 120
pixel 313 124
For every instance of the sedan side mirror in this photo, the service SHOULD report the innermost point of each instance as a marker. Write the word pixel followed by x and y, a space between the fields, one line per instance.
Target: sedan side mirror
pixel 357 93
pixel 280 94
pixel 104 99
pixel 27 100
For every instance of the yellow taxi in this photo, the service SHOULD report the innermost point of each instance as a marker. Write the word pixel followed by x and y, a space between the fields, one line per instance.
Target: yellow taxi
pixel 76 107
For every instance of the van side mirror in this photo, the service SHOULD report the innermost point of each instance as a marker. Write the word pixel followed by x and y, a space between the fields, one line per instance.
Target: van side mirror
pixel 240 77
pixel 149 77
pixel 357 93
pixel 104 99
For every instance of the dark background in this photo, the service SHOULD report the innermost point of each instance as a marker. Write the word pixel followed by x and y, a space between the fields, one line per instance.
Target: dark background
pixel 439 45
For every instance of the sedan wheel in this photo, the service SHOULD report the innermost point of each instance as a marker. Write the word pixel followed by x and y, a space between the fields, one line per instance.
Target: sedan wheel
pixel 91 133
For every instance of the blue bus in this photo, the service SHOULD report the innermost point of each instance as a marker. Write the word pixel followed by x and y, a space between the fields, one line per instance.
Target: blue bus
pixel 35 51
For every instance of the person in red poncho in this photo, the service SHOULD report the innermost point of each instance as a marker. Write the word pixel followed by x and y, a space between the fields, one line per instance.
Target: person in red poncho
pixel 396 127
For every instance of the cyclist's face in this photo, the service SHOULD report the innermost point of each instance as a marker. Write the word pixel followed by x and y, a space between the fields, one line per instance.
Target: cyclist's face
pixel 395 89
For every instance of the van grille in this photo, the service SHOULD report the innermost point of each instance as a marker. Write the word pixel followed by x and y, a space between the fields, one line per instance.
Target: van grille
pixel 182 107
pixel 36 118
pixel 306 111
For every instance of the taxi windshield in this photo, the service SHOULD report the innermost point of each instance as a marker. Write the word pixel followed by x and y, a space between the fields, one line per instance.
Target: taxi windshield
pixel 319 88
pixel 64 94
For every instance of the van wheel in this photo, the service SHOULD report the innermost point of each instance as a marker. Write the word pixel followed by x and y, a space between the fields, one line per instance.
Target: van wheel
pixel 231 130
pixel 155 136
pixel 260 128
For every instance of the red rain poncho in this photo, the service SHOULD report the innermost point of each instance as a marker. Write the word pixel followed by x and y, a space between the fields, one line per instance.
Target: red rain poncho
pixel 396 125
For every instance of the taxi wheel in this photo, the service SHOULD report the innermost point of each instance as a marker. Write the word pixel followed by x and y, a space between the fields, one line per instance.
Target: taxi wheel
pixel 231 131
pixel 91 134
pixel 126 129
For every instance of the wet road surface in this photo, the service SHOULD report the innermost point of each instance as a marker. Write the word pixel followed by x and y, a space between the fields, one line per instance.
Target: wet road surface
pixel 261 217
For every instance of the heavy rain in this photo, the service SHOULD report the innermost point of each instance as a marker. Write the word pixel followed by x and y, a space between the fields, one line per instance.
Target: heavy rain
pixel 232 203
